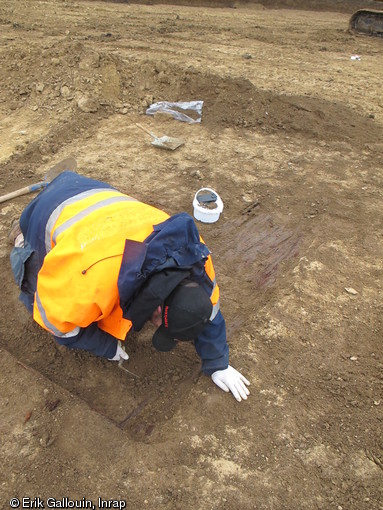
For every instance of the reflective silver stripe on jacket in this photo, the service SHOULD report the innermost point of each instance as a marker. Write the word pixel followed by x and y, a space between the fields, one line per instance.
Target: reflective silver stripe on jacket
pixel 216 306
pixel 50 326
pixel 214 311
pixel 82 214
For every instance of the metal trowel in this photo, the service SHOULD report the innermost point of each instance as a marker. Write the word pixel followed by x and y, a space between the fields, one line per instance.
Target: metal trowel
pixel 163 142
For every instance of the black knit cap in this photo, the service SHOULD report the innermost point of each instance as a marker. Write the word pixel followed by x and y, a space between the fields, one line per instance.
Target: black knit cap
pixel 186 308
pixel 152 294
pixel 185 313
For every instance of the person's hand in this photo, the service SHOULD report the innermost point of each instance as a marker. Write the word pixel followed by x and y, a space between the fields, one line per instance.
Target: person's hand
pixel 120 354
pixel 231 380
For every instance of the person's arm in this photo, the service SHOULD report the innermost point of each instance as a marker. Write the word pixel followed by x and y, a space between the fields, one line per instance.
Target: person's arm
pixel 212 347
pixel 92 339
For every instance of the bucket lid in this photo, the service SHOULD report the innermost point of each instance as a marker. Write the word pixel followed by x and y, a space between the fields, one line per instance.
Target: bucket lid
pixel 207 205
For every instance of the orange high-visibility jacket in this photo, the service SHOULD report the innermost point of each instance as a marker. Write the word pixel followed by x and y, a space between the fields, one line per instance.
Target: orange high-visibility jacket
pixel 85 238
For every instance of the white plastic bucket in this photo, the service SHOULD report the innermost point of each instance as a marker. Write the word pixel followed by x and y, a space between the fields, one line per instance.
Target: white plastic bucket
pixel 206 214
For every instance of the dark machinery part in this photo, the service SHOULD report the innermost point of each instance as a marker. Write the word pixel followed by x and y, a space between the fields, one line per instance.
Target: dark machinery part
pixel 367 22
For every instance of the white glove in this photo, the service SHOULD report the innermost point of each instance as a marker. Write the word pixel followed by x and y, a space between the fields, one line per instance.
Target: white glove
pixel 120 353
pixel 231 380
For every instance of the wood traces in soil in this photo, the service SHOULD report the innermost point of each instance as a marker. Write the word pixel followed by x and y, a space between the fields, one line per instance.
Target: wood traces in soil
pixel 256 246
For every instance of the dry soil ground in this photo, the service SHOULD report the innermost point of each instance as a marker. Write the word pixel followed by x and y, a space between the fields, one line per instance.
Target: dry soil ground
pixel 291 139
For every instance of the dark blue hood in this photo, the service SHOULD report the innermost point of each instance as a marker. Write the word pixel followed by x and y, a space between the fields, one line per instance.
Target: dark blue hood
pixel 174 243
